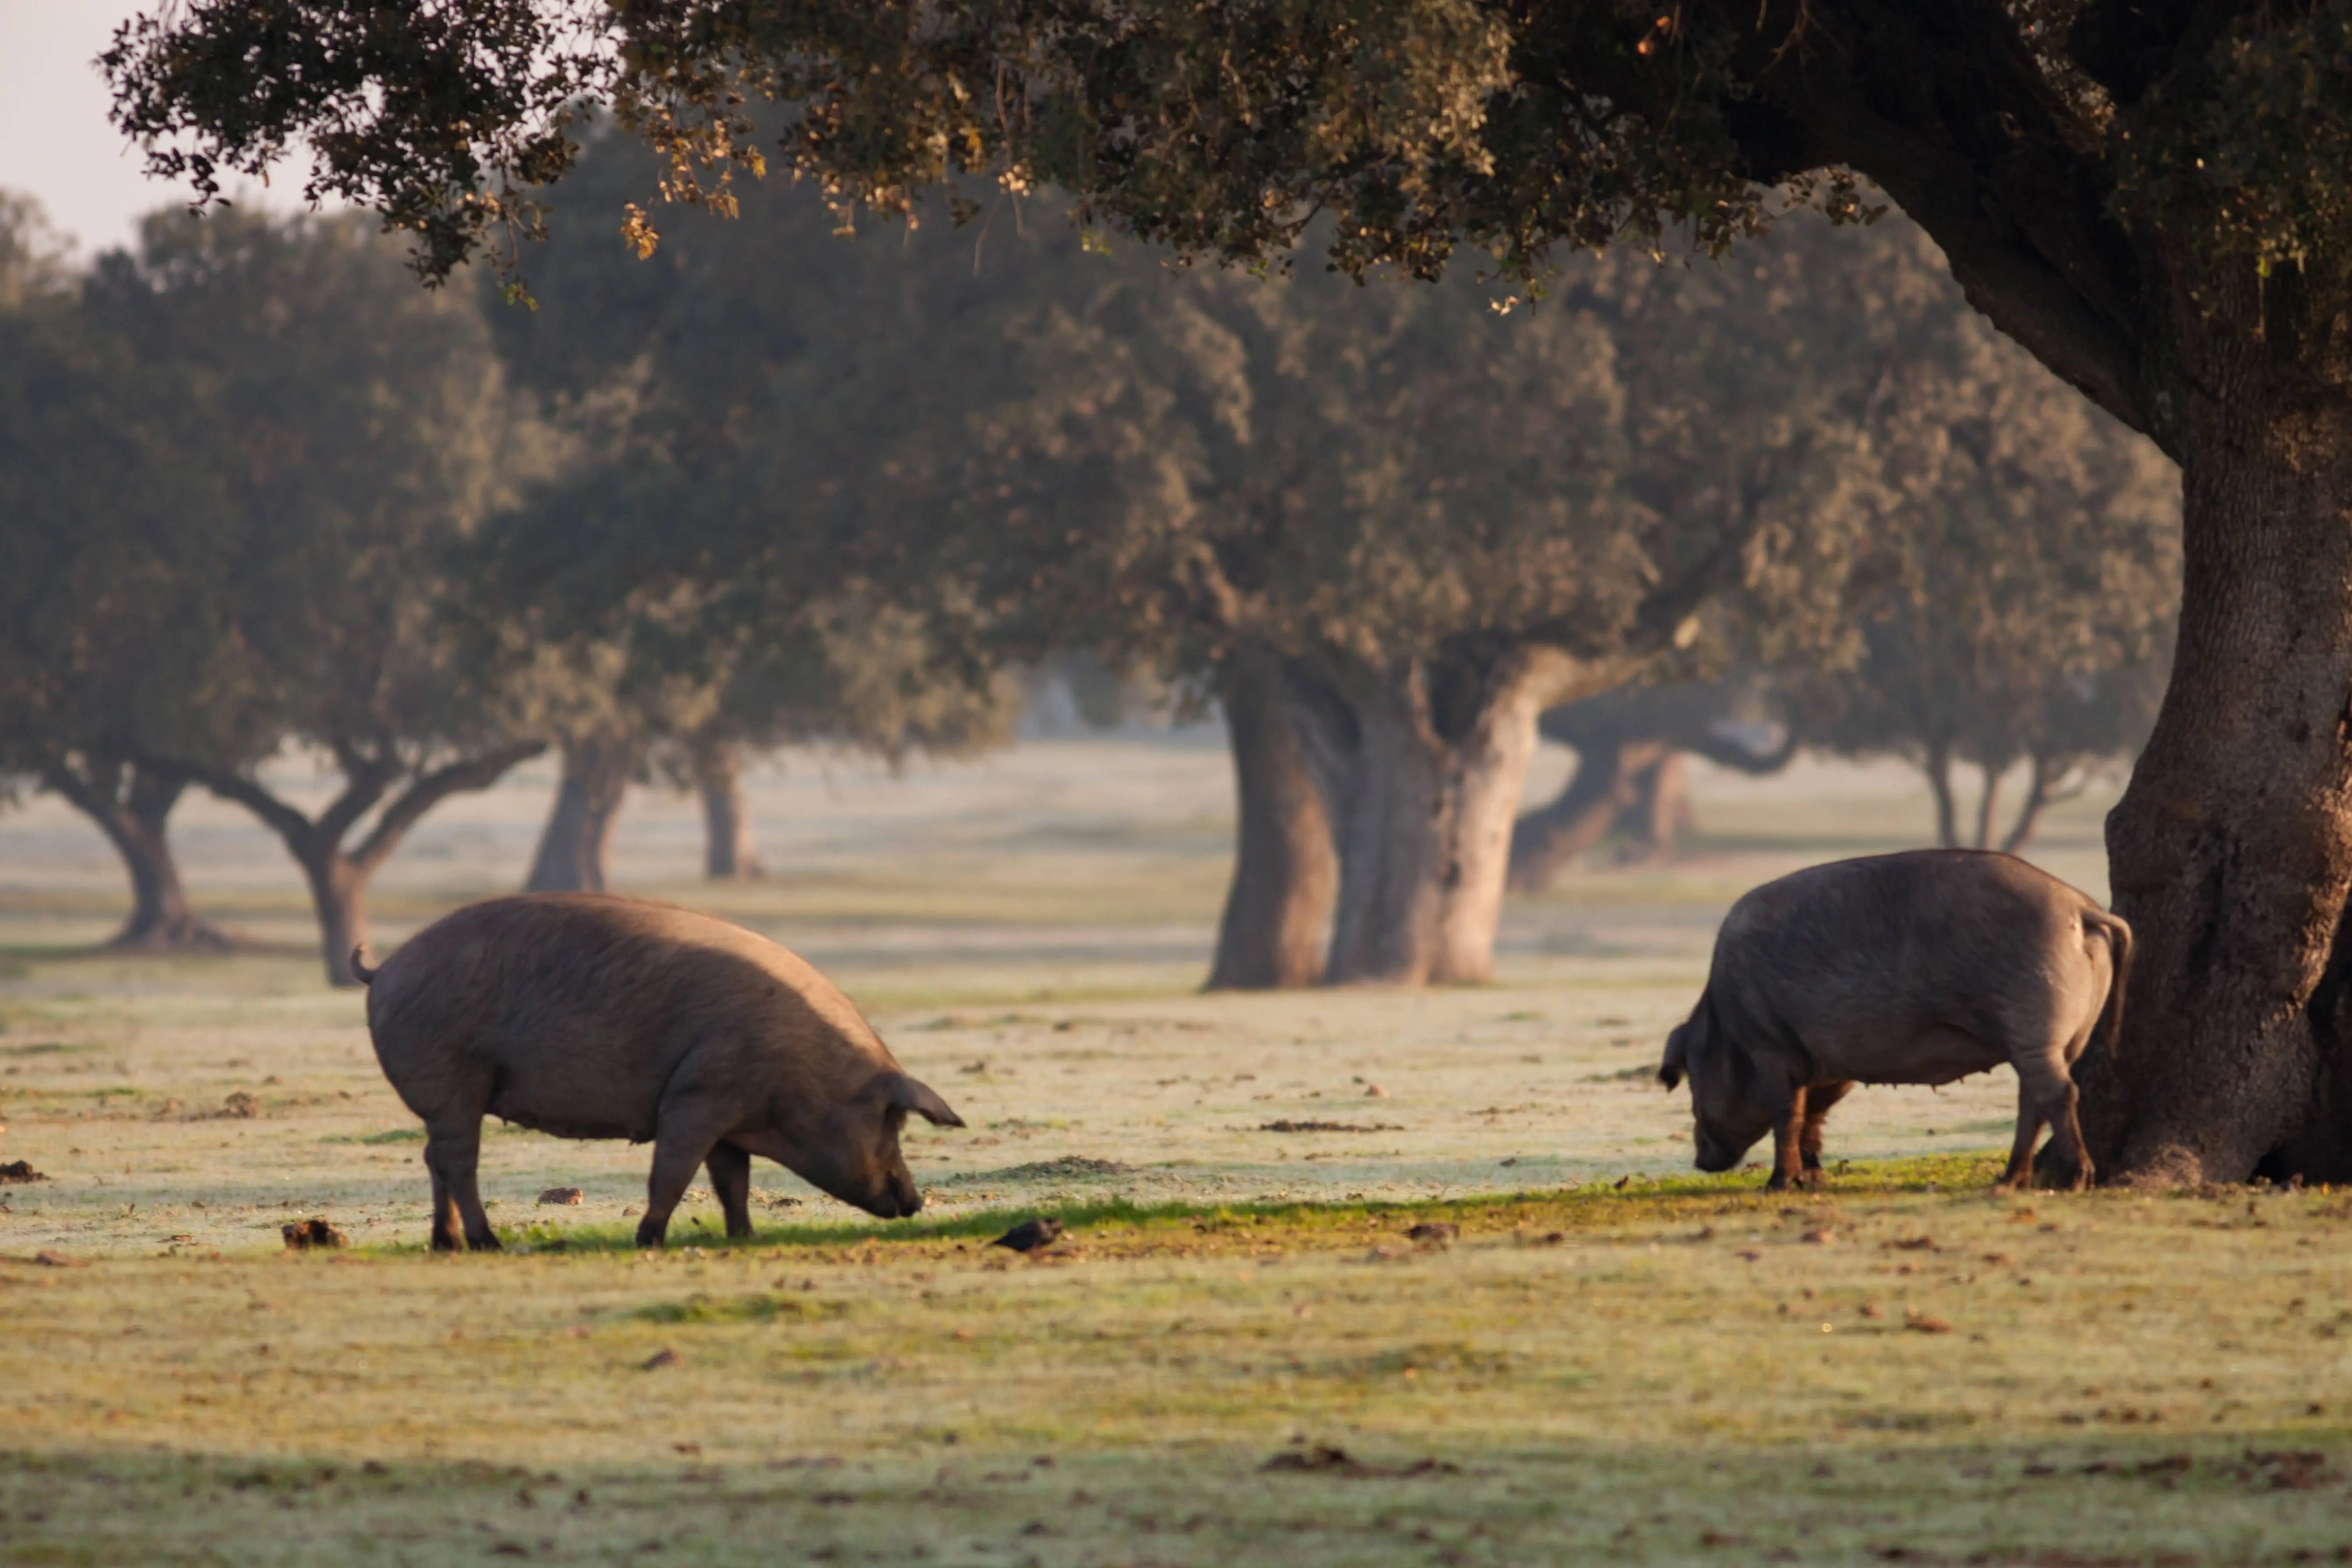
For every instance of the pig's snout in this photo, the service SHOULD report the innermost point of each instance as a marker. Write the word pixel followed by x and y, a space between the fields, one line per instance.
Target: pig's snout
pixel 1716 1157
pixel 896 1200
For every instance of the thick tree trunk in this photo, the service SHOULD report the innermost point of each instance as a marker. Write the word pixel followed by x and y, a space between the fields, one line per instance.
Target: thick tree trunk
pixel 1988 803
pixel 1285 871
pixel 1423 770
pixel 727 853
pixel 131 805
pixel 1937 766
pixel 2041 790
pixel 579 833
pixel 1659 811
pixel 1607 784
pixel 338 898
pixel 2230 853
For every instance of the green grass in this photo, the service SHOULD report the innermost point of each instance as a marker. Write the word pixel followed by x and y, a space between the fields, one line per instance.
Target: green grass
pixel 1668 1372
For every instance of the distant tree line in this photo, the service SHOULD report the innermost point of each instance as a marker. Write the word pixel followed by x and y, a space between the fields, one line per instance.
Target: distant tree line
pixel 774 484
pixel 257 489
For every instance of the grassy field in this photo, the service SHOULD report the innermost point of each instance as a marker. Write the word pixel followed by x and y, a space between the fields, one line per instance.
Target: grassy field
pixel 1239 1354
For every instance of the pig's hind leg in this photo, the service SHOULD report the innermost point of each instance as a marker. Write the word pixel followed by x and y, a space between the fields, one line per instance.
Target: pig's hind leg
pixel 2042 1049
pixel 2019 1173
pixel 730 1178
pixel 453 1152
pixel 1818 1101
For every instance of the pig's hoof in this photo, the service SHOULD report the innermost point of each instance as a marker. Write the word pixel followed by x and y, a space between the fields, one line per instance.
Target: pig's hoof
pixel 648 1236
pixel 483 1244
pixel 1779 1183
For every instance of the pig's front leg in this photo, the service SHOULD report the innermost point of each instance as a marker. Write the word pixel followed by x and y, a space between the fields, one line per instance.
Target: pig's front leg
pixel 682 1142
pixel 1788 1145
pixel 1819 1099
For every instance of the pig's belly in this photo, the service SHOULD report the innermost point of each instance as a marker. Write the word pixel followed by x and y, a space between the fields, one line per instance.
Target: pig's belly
pixel 553 1104
pixel 1935 1053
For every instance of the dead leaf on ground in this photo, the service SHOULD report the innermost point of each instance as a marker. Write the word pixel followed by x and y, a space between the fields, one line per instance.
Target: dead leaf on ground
pixel 303 1234
pixel 1329 1459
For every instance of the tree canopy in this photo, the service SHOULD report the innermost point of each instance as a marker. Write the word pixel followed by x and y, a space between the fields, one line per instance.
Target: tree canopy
pixel 2029 136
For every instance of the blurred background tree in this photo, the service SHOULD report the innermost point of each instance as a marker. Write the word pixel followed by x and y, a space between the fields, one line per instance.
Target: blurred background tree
pixel 2027 583
pixel 358 431
pixel 108 516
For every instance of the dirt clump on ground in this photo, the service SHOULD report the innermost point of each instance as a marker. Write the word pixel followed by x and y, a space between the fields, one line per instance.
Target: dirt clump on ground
pixel 556 1196
pixel 17 1171
pixel 1290 1126
pixel 303 1234
pixel 1329 1459
pixel 1031 1236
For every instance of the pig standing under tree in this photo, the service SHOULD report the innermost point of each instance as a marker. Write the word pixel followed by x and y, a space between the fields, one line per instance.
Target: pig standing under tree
pixel 588 1016
pixel 1921 967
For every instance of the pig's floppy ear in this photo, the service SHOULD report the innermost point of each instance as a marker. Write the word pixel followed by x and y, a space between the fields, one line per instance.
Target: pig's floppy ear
pixel 1670 1070
pixel 909 1094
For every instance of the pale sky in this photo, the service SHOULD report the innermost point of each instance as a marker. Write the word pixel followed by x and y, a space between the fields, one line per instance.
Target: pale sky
pixel 55 142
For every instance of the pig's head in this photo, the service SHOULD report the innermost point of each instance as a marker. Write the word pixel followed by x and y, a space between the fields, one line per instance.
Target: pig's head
pixel 850 1148
pixel 1729 1109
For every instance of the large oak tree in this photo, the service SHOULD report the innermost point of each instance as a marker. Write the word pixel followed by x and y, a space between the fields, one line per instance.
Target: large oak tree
pixel 2152 198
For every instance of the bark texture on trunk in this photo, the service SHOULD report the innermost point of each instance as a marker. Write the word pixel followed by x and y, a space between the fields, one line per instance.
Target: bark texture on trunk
pixel 1422 768
pixel 575 844
pixel 131 804
pixel 727 847
pixel 1285 870
pixel 2230 852
pixel 337 873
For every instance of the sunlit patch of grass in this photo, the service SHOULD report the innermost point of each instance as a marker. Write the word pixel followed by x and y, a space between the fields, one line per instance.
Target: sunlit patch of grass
pixel 756 1306
pixel 1121 1226
pixel 1901 1366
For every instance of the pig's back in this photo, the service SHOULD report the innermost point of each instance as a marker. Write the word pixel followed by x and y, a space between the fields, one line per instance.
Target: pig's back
pixel 1860 955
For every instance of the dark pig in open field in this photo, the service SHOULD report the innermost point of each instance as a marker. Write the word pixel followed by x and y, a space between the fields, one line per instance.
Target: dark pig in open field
pixel 1915 968
pixel 589 1016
